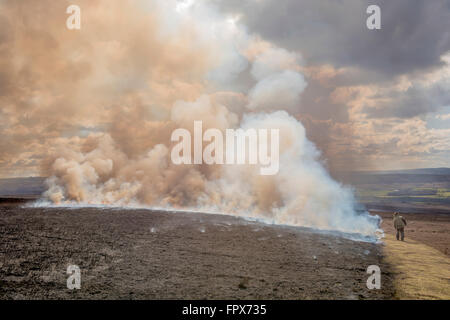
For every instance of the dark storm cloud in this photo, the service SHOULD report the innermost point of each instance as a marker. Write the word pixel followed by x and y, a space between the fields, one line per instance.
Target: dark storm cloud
pixel 414 33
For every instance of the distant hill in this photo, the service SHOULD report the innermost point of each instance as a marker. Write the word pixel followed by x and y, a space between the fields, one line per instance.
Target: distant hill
pixel 430 171
pixel 417 190
pixel 425 175
pixel 31 186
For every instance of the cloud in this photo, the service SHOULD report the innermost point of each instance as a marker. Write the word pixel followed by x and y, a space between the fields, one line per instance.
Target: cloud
pixel 415 101
pixel 414 33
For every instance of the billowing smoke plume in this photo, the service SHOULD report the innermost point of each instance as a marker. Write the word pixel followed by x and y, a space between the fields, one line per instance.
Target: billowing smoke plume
pixel 114 91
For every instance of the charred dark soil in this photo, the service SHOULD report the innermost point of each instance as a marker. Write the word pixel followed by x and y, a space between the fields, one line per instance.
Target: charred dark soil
pixel 144 254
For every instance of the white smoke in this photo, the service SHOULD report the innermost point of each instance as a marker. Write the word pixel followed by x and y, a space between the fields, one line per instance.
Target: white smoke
pixel 129 163
pixel 274 60
pixel 278 91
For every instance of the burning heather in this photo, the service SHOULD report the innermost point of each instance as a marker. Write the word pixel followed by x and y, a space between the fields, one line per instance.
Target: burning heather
pixel 164 66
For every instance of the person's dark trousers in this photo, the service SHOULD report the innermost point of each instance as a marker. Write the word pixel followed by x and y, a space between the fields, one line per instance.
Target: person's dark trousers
pixel 400 233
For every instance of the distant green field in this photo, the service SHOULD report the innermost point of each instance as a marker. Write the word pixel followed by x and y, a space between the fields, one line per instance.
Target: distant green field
pixel 439 193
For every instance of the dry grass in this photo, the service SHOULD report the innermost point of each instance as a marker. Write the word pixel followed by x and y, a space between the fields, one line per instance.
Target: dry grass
pixel 421 272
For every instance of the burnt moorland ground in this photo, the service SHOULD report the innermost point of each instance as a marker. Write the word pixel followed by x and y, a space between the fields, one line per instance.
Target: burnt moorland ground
pixel 142 254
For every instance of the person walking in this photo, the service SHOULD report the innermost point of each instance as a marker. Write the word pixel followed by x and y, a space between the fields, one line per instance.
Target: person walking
pixel 399 225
